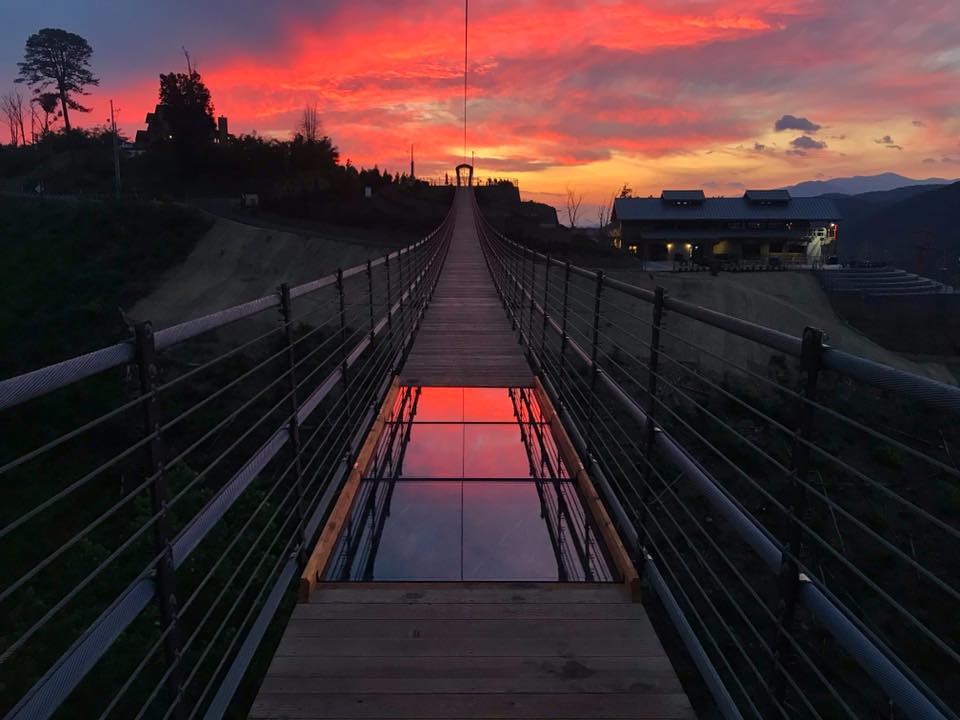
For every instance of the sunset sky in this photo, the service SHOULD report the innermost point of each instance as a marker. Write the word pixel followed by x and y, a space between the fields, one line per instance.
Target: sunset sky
pixel 591 95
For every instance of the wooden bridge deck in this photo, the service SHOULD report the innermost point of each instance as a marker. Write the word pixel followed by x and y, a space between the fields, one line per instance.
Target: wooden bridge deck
pixel 465 337
pixel 470 650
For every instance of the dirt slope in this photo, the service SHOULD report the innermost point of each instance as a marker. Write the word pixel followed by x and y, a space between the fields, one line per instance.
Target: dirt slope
pixel 235 262
pixel 787 301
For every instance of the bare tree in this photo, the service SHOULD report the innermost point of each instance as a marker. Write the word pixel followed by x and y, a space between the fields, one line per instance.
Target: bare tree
pixel 605 212
pixel 11 105
pixel 626 191
pixel 309 125
pixel 573 206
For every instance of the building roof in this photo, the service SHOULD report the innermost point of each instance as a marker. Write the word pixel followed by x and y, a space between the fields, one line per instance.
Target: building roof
pixel 768 196
pixel 726 208
pixel 682 196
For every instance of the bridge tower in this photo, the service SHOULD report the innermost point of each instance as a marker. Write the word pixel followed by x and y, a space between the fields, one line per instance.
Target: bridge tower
pixel 464 168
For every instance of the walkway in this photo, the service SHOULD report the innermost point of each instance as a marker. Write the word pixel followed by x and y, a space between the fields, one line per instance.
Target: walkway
pixel 470 650
pixel 465 339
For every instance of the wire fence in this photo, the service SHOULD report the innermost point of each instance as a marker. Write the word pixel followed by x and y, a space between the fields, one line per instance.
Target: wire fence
pixel 160 495
pixel 717 443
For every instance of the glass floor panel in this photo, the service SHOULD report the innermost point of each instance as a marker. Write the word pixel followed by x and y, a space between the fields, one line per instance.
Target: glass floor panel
pixel 468 484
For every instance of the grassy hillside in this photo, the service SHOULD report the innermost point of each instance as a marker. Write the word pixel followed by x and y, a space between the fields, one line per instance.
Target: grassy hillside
pixel 68 266
pixel 890 232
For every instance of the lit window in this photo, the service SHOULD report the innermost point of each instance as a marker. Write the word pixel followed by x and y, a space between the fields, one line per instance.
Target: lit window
pixel 633 249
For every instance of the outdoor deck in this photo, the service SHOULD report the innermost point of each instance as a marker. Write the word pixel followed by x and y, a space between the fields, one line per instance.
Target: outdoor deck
pixel 465 339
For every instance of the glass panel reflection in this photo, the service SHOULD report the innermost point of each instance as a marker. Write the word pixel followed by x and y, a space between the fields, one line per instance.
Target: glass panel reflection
pixel 468 484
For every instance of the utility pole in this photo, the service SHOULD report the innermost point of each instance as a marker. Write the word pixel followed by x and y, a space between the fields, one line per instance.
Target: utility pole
pixel 116 154
pixel 466 24
pixel 412 176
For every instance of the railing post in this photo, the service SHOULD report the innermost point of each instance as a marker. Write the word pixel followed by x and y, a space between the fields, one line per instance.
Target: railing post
pixel 533 285
pixel 402 291
pixel 293 427
pixel 546 299
pixel 591 423
pixel 386 270
pixel 145 353
pixel 651 430
pixel 811 353
pixel 343 327
pixel 563 326
pixel 370 298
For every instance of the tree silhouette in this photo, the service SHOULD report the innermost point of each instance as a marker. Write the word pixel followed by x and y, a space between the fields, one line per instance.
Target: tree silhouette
pixel 309 125
pixel 573 206
pixel 48 103
pixel 58 59
pixel 187 110
pixel 11 105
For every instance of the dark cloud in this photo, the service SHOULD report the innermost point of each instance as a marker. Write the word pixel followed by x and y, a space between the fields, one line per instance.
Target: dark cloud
pixel 759 147
pixel 887 141
pixel 919 123
pixel 805 142
pixel 791 122
pixel 929 161
pixel 950 160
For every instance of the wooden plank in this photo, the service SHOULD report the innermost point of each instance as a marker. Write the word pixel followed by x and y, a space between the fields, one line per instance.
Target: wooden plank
pixel 471 675
pixel 618 553
pixel 569 643
pixel 317 561
pixel 465 705
pixel 457 630
pixel 475 592
pixel 468 611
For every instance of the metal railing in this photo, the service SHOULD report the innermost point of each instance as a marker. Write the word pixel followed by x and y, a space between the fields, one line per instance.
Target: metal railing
pixel 160 494
pixel 715 443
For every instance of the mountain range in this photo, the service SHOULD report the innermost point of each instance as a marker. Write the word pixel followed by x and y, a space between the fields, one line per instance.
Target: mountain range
pixel 913 227
pixel 859 184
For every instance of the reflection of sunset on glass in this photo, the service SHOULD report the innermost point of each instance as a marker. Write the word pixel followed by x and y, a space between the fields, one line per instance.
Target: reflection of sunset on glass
pixel 592 94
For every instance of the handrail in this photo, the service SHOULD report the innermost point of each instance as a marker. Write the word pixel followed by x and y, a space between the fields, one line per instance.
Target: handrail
pixel 515 269
pixel 36 383
pixel 356 364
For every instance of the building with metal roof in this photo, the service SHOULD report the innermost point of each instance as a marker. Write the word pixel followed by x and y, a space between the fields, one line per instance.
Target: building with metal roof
pixel 762 226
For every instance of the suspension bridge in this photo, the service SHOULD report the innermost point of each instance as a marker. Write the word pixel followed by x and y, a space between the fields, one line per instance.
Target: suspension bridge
pixel 470 479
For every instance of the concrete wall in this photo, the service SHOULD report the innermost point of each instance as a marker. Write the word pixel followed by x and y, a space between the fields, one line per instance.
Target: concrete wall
pixel 920 324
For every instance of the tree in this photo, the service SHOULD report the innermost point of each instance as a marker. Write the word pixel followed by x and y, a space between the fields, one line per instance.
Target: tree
pixel 573 206
pixel 626 191
pixel 61 60
pixel 11 105
pixel 187 109
pixel 48 103
pixel 605 212
pixel 309 125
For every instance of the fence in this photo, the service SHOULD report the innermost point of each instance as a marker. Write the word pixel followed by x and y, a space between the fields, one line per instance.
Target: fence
pixel 717 443
pixel 152 535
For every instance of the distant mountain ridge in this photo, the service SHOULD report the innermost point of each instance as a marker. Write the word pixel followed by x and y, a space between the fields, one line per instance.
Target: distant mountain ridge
pixel 860 184
pixel 893 230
